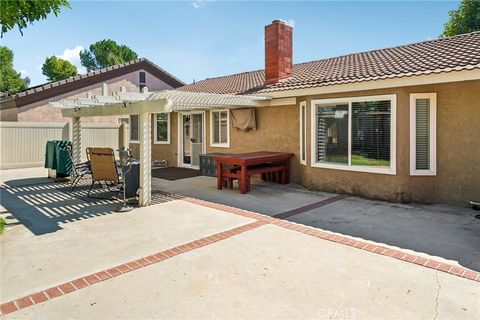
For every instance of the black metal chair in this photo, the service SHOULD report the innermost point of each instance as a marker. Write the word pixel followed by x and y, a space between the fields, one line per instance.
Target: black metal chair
pixel 79 170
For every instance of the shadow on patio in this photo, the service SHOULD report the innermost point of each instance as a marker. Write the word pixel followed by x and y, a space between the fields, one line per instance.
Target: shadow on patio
pixel 43 206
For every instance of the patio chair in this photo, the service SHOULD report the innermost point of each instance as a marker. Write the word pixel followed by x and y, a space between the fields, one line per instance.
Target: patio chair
pixel 79 170
pixel 104 169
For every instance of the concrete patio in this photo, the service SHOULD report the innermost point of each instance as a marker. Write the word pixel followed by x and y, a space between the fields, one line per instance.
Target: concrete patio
pixel 259 270
pixel 449 232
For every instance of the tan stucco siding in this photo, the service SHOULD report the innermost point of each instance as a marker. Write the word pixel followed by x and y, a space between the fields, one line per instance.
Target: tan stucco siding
pixel 458 132
pixel 168 151
pixel 273 133
pixel 277 130
pixel 458 144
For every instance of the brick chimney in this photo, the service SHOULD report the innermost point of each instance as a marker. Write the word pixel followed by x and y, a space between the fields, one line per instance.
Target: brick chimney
pixel 278 51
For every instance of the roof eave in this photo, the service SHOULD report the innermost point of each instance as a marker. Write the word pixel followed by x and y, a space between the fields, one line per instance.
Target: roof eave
pixel 41 93
pixel 414 80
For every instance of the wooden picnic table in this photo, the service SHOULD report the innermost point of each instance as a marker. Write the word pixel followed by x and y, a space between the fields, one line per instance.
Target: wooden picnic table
pixel 251 163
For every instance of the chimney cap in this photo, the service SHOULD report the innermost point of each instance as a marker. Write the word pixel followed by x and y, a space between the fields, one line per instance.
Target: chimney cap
pixel 279 21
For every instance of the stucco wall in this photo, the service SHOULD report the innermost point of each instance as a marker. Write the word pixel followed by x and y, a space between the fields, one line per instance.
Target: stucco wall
pixel 458 141
pixel 458 147
pixel 42 112
pixel 163 151
pixel 277 130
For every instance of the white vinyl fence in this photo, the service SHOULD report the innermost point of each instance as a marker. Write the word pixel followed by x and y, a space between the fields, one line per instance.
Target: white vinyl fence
pixel 22 144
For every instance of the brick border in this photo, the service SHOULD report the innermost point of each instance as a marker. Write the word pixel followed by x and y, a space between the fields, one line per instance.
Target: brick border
pixel 337 238
pixel 309 207
pixel 91 279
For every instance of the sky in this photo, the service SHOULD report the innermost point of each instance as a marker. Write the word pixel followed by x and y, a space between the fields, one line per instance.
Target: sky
pixel 199 39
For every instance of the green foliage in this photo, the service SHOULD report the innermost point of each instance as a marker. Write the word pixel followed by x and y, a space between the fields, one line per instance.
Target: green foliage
pixel 21 12
pixel 463 20
pixel 57 69
pixel 10 80
pixel 2 225
pixel 106 53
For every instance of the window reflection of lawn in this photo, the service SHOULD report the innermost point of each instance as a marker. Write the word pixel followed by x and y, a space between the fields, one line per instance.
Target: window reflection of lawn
pixel 358 160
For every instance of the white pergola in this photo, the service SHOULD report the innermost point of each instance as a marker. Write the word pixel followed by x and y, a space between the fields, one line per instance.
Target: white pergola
pixel 144 104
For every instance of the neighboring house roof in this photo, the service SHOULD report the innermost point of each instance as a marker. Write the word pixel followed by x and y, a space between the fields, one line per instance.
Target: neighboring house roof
pixel 51 89
pixel 455 53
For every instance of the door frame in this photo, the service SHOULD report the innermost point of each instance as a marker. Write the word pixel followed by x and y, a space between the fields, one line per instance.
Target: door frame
pixel 180 137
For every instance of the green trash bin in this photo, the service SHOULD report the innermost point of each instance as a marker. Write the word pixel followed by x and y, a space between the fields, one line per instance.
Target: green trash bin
pixel 57 157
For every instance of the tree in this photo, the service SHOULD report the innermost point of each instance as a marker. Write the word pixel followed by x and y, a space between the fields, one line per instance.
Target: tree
pixel 11 81
pixel 21 12
pixel 104 54
pixel 463 20
pixel 57 69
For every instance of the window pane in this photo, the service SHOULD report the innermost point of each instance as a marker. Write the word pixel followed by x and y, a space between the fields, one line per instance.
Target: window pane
pixel 197 128
pixel 422 134
pixel 332 126
pixel 223 127
pixel 371 133
pixel 134 127
pixel 216 127
pixel 162 127
pixel 304 143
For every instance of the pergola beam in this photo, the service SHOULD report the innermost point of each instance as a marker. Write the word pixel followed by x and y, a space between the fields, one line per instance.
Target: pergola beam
pixel 125 108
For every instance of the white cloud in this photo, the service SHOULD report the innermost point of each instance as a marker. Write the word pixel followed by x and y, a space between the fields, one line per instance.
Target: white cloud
pixel 291 23
pixel 73 56
pixel 200 3
pixel 23 73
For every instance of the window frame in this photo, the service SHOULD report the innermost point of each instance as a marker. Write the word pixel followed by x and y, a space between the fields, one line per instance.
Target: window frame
pixel 303 130
pixel 392 170
pixel 220 145
pixel 130 128
pixel 155 141
pixel 120 118
pixel 433 134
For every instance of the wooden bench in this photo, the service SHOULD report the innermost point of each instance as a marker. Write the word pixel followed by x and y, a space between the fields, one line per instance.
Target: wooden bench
pixel 275 173
pixel 272 166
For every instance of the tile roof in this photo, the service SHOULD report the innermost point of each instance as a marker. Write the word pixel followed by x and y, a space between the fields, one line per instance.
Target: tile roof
pixel 455 53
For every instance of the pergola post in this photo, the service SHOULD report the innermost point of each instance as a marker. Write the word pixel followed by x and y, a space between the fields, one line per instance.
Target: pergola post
pixel 76 139
pixel 145 159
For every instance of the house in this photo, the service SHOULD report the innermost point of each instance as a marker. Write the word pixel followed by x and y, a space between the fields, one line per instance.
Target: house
pixel 32 104
pixel 399 124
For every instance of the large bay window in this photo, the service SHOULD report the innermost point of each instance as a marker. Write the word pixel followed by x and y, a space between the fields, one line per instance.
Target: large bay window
pixel 423 131
pixel 162 128
pixel 356 134
pixel 220 128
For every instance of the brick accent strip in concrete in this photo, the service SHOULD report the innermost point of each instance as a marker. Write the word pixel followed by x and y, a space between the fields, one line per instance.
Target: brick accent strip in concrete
pixel 91 279
pixel 83 282
pixel 309 207
pixel 358 244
